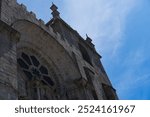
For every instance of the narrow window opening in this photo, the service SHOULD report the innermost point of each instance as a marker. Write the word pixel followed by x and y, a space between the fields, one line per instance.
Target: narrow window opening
pixel 26 58
pixel 35 61
pixel 22 63
pixel 48 80
pixel 43 70
pixel 85 54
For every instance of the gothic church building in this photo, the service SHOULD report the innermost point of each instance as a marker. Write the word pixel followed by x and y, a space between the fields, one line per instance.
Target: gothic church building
pixel 47 61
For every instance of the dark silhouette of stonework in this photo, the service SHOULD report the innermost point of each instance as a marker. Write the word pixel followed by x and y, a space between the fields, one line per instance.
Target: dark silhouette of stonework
pixel 47 61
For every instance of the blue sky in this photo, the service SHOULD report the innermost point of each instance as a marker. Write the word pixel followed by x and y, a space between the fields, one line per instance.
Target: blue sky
pixel 120 30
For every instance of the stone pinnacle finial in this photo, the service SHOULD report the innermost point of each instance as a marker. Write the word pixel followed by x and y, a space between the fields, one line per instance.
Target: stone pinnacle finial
pixel 88 38
pixel 55 13
pixel 86 35
pixel 89 41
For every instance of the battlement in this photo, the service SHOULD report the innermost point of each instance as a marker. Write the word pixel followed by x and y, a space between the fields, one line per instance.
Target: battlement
pixel 12 11
pixel 16 11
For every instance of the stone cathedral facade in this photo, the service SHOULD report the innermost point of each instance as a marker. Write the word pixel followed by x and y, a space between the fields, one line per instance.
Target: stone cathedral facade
pixel 47 61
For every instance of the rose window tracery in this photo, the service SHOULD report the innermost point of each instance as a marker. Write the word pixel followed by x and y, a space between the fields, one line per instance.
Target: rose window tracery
pixel 37 74
pixel 33 68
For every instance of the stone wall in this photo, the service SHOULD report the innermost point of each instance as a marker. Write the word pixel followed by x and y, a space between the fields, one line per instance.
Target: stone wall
pixel 57 44
pixel 8 62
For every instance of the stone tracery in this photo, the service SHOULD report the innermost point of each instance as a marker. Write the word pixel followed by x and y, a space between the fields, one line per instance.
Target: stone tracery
pixel 37 74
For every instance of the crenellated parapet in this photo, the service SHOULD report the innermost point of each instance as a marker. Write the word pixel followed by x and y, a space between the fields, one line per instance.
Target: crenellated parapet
pixel 51 57
pixel 11 12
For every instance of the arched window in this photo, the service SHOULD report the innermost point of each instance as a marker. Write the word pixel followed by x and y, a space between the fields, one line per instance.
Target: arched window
pixel 85 54
pixel 37 74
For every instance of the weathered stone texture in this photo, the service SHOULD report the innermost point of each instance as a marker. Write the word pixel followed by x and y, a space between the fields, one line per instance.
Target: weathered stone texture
pixel 47 61
pixel 8 63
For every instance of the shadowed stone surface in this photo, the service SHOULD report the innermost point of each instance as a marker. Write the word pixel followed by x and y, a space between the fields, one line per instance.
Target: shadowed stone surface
pixel 47 61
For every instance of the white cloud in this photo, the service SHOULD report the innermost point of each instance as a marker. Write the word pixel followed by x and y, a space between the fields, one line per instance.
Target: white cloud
pixel 103 20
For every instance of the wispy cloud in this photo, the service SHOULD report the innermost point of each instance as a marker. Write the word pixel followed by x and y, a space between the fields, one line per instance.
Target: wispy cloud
pixel 132 85
pixel 135 58
pixel 135 76
pixel 103 20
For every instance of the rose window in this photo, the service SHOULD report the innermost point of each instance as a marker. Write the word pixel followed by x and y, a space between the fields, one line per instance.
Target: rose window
pixel 34 70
